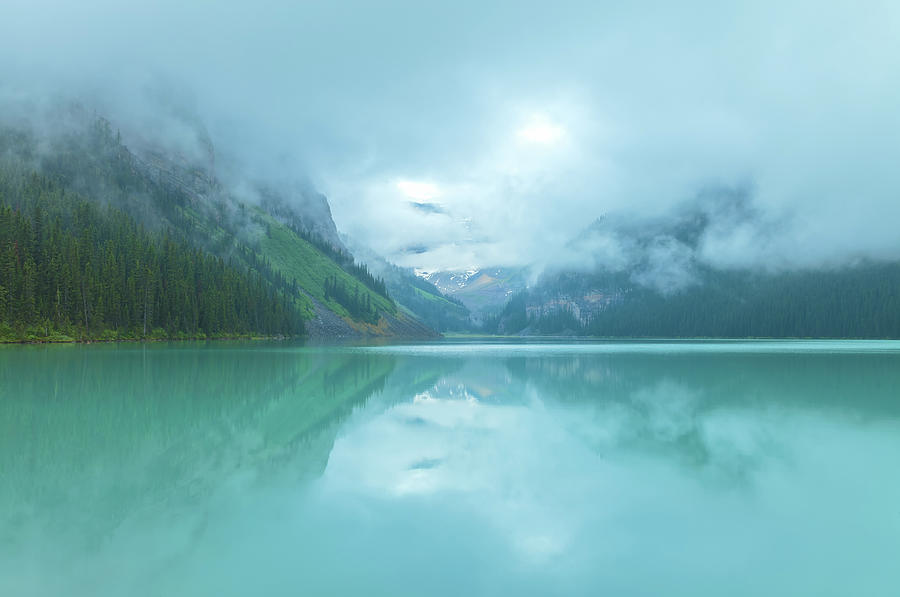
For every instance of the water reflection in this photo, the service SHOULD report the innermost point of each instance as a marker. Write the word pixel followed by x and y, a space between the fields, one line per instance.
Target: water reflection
pixel 548 469
pixel 93 435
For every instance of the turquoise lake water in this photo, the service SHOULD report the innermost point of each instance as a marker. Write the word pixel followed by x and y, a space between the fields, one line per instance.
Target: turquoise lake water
pixel 453 468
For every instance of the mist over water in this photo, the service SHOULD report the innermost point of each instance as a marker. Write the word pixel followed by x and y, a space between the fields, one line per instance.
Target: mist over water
pixel 740 468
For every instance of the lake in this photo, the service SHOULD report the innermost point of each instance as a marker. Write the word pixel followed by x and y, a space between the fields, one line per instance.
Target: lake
pixel 452 468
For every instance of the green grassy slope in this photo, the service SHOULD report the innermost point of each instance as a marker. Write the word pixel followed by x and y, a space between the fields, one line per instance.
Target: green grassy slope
pixel 169 198
pixel 440 301
pixel 297 259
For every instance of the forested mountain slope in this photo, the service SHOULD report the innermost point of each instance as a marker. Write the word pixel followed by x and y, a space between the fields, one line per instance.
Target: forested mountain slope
pixel 662 288
pixel 437 309
pixel 177 209
pixel 857 302
pixel 70 269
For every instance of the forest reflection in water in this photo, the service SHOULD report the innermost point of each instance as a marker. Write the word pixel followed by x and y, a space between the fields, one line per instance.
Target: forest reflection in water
pixel 235 468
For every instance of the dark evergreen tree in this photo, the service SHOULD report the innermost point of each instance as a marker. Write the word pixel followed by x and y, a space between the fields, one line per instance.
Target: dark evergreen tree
pixel 69 266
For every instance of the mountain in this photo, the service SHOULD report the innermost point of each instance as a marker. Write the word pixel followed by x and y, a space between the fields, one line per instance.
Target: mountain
pixel 484 291
pixel 439 310
pixel 649 281
pixel 289 407
pixel 69 269
pixel 280 239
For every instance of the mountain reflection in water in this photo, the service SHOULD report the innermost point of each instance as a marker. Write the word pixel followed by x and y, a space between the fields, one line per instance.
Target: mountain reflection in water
pixel 266 468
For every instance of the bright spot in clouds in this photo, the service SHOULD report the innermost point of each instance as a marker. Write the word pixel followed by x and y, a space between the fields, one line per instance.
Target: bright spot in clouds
pixel 541 131
pixel 418 190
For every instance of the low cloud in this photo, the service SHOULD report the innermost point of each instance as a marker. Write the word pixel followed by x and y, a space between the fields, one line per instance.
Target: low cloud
pixel 530 121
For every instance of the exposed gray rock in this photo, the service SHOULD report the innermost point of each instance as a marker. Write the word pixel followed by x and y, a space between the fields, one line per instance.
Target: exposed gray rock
pixel 325 324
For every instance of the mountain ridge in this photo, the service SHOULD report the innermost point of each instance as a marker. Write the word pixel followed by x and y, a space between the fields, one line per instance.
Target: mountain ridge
pixel 297 249
pixel 639 280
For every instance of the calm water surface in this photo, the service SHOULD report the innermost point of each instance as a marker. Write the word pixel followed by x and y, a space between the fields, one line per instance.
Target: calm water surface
pixel 674 468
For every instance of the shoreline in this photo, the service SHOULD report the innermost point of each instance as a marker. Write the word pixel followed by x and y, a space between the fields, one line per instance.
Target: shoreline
pixel 136 340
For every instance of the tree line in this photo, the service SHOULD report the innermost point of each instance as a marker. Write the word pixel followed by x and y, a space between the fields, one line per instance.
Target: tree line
pixel 357 304
pixel 858 302
pixel 70 267
pixel 360 271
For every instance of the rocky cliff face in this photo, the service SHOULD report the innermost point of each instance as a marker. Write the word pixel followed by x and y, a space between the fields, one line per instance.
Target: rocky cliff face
pixel 326 325
pixel 304 208
pixel 192 170
pixel 174 171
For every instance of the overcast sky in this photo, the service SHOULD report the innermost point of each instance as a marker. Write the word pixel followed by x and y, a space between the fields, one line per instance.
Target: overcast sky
pixel 518 122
